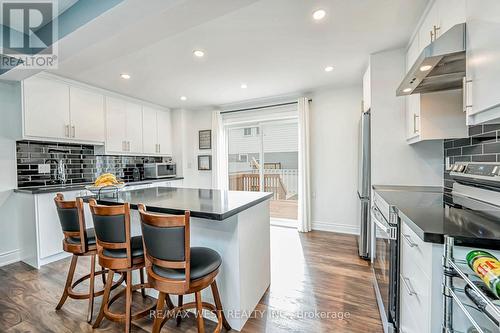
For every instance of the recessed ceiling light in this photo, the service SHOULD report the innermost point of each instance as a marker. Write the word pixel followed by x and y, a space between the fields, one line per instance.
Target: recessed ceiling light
pixel 183 98
pixel 319 14
pixel 328 68
pixel 244 86
pixel 425 68
pixel 406 90
pixel 125 76
pixel 198 53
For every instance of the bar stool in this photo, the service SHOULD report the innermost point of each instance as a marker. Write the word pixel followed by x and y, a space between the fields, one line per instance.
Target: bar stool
pixel 174 267
pixel 78 241
pixel 120 253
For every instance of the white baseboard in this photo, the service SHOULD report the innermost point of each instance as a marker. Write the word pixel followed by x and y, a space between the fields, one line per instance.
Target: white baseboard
pixel 335 227
pixel 10 257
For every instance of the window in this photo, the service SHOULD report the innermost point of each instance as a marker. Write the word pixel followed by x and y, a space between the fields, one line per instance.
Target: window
pixel 247 131
pixel 242 157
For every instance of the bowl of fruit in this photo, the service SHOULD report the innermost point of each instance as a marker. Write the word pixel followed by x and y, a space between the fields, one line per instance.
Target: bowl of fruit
pixel 105 183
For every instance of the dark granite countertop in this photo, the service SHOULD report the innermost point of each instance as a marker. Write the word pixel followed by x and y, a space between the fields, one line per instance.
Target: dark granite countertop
pixel 432 213
pixel 203 203
pixel 76 187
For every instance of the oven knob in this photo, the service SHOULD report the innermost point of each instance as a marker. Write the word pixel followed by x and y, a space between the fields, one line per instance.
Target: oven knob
pixel 495 169
pixel 455 167
pixel 461 168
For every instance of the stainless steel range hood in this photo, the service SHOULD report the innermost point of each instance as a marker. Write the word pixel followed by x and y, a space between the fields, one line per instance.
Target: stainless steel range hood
pixel 440 66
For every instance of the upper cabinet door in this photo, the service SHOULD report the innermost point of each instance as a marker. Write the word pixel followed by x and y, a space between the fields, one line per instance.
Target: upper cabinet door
pixel 149 130
pixel 46 108
pixel 87 115
pixel 429 25
pixel 164 132
pixel 367 93
pixel 134 127
pixel 413 53
pixel 451 12
pixel 116 125
pixel 483 56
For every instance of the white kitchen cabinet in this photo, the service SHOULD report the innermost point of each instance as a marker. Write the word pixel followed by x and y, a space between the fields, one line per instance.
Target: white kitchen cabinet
pixel 46 108
pixel 42 227
pixel 367 98
pixel 430 26
pixel 123 126
pixel 164 132
pixel 87 115
pixel 419 283
pixel 157 131
pixel 436 116
pixel 483 61
pixel 134 127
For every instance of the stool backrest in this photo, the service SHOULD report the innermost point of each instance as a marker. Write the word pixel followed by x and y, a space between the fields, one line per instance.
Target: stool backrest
pixel 112 227
pixel 72 219
pixel 167 241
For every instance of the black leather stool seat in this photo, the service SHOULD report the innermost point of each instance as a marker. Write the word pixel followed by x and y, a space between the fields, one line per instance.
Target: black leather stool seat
pixel 136 247
pixel 203 262
pixel 90 238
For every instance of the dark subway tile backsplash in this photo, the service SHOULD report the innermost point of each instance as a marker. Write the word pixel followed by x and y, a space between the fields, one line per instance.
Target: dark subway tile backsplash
pixel 482 145
pixel 82 164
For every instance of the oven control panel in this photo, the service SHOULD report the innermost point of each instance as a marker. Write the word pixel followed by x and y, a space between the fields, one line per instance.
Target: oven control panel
pixel 476 170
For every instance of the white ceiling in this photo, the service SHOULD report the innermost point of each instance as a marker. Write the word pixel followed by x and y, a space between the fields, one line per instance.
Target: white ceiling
pixel 272 45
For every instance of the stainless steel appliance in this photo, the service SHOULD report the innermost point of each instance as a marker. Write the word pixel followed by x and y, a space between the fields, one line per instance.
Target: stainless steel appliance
pixel 160 170
pixel 364 186
pixel 440 66
pixel 385 261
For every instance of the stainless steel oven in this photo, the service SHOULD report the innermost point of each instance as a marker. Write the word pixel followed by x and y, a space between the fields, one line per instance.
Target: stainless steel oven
pixel 160 170
pixel 385 263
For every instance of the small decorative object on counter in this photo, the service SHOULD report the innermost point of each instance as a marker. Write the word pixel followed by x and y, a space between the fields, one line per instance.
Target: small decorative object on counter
pixel 487 267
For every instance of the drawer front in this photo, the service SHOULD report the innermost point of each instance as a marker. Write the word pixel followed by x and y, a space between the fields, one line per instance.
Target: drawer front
pixel 411 320
pixel 414 251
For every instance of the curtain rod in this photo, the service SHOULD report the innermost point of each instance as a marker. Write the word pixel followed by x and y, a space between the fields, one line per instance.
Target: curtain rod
pixel 262 107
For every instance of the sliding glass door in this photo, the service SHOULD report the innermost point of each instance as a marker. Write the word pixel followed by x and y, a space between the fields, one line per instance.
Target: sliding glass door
pixel 263 156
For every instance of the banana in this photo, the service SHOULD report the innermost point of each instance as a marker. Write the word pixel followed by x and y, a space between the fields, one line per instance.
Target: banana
pixel 106 179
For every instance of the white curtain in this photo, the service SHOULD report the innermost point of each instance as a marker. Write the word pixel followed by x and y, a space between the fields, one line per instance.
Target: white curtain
pixel 304 188
pixel 219 156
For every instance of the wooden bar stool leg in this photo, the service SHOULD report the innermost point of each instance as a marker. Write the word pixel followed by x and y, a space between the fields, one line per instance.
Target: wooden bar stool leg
pixel 91 289
pixel 141 276
pixel 179 315
pixel 69 280
pixel 105 298
pixel 160 306
pixel 128 303
pixel 199 312
pixel 218 305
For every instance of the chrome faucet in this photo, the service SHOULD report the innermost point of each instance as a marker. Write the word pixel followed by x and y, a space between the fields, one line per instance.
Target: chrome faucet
pixel 60 171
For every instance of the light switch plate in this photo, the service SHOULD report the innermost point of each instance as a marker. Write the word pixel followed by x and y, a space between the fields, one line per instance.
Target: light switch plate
pixel 43 168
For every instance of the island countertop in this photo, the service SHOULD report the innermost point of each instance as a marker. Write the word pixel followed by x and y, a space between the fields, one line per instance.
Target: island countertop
pixel 203 203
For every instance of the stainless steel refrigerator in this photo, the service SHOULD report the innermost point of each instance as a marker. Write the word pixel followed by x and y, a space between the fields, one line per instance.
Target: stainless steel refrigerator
pixel 364 186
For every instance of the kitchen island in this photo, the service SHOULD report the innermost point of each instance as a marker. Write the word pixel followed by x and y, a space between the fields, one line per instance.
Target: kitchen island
pixel 235 224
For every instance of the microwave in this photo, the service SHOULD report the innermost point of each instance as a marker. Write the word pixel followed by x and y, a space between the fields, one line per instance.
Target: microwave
pixel 159 170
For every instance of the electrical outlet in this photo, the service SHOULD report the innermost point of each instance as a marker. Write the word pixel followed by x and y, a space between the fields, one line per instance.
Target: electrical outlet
pixel 43 168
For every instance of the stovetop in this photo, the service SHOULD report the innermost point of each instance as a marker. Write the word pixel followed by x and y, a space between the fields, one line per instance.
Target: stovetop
pixel 433 212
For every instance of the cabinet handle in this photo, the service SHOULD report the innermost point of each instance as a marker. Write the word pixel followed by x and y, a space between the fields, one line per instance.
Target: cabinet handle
pixel 409 241
pixel 159 148
pixel 128 145
pixel 407 285
pixel 66 131
pixel 415 116
pixel 466 97
pixel 73 131
pixel 436 28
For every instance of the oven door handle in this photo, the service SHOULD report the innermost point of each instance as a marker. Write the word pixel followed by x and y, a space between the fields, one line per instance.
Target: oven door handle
pixel 382 224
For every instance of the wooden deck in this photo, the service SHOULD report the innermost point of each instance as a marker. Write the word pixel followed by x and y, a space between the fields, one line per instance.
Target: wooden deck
pixel 284 209
pixel 312 274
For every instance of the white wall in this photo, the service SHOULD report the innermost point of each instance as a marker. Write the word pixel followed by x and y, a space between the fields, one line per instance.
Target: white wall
pixel 10 127
pixel 395 162
pixel 335 114
pixel 186 125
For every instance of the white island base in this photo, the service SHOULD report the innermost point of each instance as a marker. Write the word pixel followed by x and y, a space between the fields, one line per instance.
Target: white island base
pixel 243 241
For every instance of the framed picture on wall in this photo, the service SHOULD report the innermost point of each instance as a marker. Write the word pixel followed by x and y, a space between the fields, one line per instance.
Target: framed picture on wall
pixel 204 162
pixel 205 139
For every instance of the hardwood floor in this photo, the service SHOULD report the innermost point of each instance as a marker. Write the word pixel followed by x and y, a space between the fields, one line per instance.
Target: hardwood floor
pixel 284 209
pixel 313 275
